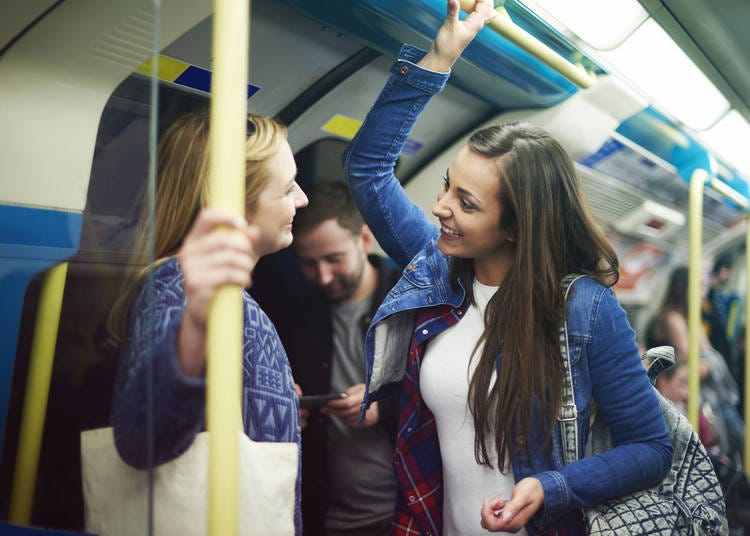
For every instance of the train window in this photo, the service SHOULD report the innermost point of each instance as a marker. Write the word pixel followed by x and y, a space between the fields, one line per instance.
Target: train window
pixel 320 161
pixel 84 364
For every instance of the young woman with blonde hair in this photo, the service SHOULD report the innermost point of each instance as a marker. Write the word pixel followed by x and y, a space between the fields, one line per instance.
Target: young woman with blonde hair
pixel 161 317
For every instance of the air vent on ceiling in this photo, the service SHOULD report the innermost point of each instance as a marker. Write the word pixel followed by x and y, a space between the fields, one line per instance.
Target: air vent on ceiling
pixel 651 220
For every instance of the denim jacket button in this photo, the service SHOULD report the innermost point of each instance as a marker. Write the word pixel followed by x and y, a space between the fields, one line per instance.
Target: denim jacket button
pixel 404 69
pixel 521 440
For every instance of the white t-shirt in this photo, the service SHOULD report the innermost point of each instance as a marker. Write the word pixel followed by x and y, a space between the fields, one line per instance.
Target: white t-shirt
pixel 444 383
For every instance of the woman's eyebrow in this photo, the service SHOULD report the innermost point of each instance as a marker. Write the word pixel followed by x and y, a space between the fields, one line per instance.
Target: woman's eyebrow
pixel 463 191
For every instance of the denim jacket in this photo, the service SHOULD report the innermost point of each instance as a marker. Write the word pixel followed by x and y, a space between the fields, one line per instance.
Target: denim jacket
pixel 604 353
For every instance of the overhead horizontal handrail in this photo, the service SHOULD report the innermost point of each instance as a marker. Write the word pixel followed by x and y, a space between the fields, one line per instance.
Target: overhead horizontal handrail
pixel 505 26
pixel 730 193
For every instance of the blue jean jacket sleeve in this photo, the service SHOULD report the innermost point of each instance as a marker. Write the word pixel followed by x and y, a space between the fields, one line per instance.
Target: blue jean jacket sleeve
pixel 625 399
pixel 178 403
pixel 400 226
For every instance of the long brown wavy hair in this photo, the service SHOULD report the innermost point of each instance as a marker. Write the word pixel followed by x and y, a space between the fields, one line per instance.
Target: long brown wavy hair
pixel 182 190
pixel 545 214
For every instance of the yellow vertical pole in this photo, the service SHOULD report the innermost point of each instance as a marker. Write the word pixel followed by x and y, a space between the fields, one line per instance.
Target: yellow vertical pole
pixel 37 393
pixel 697 184
pixel 746 403
pixel 228 129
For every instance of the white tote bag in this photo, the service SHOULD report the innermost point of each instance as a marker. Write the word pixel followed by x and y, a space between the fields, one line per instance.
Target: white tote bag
pixel 116 495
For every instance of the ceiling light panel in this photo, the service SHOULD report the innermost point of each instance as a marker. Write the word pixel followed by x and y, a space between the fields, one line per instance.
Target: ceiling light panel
pixel 654 63
pixel 602 24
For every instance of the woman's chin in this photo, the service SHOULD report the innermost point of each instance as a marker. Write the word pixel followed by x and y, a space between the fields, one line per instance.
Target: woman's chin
pixel 447 248
pixel 285 241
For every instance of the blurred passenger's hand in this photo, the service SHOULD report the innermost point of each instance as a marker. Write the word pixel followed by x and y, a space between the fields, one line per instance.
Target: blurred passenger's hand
pixel 347 409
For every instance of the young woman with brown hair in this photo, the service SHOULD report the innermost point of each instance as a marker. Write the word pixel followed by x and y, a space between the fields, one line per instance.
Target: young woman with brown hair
pixel 469 336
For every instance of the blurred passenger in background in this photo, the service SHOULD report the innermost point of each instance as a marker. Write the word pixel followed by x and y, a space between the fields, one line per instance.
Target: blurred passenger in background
pixel 673 384
pixel 721 316
pixel 716 308
pixel 718 388
pixel 348 486
pixel 161 326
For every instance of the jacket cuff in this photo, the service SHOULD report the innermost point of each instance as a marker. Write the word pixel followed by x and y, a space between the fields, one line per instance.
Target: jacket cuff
pixel 556 498
pixel 406 69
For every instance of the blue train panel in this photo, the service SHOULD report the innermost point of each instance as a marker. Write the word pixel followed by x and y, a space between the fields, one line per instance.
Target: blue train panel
pixel 31 240
pixel 502 73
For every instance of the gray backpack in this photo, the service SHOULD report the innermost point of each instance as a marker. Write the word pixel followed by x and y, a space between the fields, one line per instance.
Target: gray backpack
pixel 689 501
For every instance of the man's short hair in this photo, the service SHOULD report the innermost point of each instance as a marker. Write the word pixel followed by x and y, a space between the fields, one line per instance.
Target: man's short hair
pixel 725 260
pixel 328 200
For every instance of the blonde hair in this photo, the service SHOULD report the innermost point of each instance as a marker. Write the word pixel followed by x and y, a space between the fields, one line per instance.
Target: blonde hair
pixel 182 165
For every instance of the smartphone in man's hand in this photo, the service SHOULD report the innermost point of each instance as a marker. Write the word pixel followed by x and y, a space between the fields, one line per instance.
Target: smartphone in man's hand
pixel 315 401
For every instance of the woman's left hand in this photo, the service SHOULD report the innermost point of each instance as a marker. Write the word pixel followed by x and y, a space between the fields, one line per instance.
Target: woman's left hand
pixel 502 515
pixel 455 34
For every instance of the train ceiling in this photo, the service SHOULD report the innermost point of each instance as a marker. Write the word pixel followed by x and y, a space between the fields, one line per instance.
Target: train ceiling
pixel 714 35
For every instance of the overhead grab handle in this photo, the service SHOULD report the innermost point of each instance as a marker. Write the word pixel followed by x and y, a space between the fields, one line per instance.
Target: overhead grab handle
pixel 505 26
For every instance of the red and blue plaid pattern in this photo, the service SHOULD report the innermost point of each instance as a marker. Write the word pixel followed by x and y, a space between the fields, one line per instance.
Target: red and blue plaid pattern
pixel 417 463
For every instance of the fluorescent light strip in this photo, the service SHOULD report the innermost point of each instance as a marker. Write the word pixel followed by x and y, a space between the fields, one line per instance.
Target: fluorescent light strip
pixel 653 62
pixel 729 139
pixel 649 59
pixel 602 24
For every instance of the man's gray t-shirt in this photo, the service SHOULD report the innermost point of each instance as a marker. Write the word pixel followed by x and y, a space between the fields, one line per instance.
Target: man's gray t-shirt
pixel 361 483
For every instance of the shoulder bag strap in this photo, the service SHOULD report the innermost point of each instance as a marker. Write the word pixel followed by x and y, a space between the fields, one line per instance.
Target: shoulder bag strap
pixel 568 416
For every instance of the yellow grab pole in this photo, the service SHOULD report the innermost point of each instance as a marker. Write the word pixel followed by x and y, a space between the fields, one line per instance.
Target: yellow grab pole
pixel 746 402
pixel 226 190
pixel 697 184
pixel 37 392
pixel 505 26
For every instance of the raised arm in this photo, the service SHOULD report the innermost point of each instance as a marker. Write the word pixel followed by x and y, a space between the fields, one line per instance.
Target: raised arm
pixel 400 226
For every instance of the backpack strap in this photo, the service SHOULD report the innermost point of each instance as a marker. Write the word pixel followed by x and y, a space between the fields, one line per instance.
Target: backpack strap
pixel 568 415
pixel 661 358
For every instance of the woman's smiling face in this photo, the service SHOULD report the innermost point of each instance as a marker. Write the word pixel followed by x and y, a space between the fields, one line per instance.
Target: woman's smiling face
pixel 470 211
pixel 278 203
